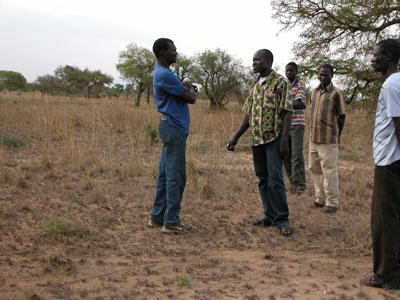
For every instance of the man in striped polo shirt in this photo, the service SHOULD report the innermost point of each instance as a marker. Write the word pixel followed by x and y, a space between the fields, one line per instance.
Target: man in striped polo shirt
pixel 327 121
pixel 294 162
pixel 385 208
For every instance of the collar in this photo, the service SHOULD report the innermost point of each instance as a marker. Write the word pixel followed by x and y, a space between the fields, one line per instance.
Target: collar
pixel 294 82
pixel 329 88
pixel 269 75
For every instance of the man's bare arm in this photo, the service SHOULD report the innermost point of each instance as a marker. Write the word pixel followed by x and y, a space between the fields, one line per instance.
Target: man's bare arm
pixel 298 104
pixel 341 120
pixel 244 125
pixel 189 95
pixel 284 146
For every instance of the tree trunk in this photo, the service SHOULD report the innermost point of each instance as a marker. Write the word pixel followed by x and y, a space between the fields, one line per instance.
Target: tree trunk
pixel 215 105
pixel 89 92
pixel 138 96
pixel 148 96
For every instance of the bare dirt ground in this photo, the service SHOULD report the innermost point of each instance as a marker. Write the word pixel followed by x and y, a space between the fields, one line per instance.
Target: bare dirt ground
pixel 75 200
pixel 114 255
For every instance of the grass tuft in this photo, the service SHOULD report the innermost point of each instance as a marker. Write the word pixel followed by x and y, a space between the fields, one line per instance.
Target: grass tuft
pixel 11 142
pixel 60 226
pixel 151 133
pixel 183 280
pixel 353 156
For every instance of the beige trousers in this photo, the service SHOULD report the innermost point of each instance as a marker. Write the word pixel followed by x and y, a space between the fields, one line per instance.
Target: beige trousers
pixel 322 160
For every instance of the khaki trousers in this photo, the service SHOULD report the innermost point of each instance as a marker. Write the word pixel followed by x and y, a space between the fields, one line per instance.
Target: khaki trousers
pixel 323 159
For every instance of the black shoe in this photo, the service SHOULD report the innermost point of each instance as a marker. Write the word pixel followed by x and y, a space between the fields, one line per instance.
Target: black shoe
pixel 155 223
pixel 318 205
pixel 372 281
pixel 392 286
pixel 264 221
pixel 177 229
pixel 330 209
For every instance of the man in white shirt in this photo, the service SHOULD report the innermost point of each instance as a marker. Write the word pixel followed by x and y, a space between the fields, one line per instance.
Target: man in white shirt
pixel 385 209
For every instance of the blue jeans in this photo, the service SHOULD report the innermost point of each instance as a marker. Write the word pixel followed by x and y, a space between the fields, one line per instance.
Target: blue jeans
pixel 294 162
pixel 268 168
pixel 172 174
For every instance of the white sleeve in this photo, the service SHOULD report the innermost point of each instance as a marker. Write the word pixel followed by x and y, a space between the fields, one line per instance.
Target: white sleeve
pixel 392 96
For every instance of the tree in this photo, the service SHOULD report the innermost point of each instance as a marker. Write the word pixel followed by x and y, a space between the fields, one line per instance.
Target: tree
pixel 241 91
pixel 12 81
pixel 218 73
pixel 136 66
pixel 343 33
pixel 47 84
pixel 183 67
pixel 93 81
pixel 67 78
pixel 75 81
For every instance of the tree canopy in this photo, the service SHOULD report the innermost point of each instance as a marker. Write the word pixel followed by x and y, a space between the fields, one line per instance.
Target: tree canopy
pixel 340 32
pixel 12 81
pixel 47 84
pixel 218 73
pixel 136 66
pixel 71 80
pixel 183 67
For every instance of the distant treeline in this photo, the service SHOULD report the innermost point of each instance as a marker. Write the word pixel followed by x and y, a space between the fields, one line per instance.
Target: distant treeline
pixel 219 76
pixel 67 81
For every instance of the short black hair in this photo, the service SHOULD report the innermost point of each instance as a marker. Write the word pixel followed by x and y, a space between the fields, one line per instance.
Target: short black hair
pixel 327 66
pixel 390 46
pixel 293 64
pixel 268 54
pixel 161 44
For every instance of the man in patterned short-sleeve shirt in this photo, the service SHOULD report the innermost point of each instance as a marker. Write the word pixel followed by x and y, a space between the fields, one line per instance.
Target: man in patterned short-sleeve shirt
pixel 268 110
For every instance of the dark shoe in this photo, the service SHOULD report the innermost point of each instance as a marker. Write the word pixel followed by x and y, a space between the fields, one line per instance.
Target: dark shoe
pixel 372 281
pixel 291 189
pixel 392 286
pixel 177 229
pixel 286 231
pixel 330 209
pixel 318 205
pixel 264 221
pixel 155 223
pixel 299 191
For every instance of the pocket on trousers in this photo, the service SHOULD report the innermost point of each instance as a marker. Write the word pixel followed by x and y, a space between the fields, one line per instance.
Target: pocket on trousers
pixel 163 130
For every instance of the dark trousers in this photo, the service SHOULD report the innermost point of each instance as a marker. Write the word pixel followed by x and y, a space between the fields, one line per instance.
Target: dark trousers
pixel 294 162
pixel 385 223
pixel 268 168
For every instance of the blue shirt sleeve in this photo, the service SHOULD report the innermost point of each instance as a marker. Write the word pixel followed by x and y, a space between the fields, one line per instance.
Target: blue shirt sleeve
pixel 172 85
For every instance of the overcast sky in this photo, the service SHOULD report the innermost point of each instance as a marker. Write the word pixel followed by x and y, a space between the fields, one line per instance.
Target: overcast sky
pixel 37 36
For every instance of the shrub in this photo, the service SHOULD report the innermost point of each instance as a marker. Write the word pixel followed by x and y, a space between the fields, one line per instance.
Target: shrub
pixel 10 142
pixel 59 226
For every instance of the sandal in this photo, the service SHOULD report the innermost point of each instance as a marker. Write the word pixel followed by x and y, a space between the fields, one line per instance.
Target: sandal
pixel 372 281
pixel 286 231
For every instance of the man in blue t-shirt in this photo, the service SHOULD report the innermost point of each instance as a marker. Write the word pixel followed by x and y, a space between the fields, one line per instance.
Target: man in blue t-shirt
pixel 172 98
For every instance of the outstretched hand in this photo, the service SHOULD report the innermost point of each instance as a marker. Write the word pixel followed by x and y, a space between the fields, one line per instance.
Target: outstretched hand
pixel 231 145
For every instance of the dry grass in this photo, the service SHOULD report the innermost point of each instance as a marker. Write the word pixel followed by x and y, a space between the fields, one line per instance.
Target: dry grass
pixel 85 138
pixel 94 163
